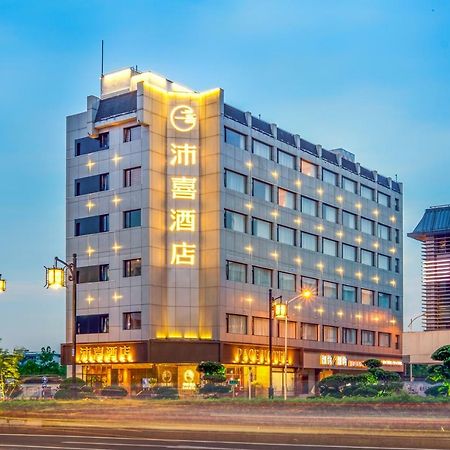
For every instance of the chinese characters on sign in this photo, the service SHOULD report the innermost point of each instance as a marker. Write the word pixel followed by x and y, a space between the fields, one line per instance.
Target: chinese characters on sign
pixel 104 354
pixel 183 155
pixel 343 361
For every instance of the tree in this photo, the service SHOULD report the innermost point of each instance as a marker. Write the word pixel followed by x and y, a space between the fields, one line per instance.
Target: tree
pixel 440 373
pixel 9 372
pixel 213 376
pixel 43 365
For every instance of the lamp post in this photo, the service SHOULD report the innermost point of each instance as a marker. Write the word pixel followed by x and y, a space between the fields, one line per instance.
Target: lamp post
pixel 2 284
pixel 411 378
pixel 55 278
pixel 272 305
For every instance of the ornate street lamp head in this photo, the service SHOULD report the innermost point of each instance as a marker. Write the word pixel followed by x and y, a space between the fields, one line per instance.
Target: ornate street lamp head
pixel 55 277
pixel 2 284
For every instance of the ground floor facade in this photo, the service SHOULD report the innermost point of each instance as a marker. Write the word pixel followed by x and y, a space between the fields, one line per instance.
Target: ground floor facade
pixel 143 365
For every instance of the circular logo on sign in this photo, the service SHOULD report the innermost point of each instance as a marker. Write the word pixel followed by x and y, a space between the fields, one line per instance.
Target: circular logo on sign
pixel 166 376
pixel 189 376
pixel 183 118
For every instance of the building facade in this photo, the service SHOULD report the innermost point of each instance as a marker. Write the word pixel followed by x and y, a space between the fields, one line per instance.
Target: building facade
pixel 433 231
pixel 184 211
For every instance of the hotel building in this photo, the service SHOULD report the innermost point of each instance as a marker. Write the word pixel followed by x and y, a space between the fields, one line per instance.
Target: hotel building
pixel 184 211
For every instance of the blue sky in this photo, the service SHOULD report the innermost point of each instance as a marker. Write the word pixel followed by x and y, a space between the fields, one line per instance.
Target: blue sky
pixel 369 76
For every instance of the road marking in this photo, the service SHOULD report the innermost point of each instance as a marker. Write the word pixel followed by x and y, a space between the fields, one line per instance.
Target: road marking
pixel 47 447
pixel 187 441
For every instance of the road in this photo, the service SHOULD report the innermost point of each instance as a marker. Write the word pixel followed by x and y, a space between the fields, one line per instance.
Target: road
pixel 71 438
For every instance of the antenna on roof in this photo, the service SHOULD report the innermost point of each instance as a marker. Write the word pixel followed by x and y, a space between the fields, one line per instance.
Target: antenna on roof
pixel 396 178
pixel 102 58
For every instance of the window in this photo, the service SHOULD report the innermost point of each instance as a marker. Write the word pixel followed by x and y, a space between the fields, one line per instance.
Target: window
pixel 286 235
pixel 397 342
pixel 93 274
pixel 93 323
pixel 384 339
pixel 92 225
pixel 349 336
pixel 132 267
pixel 384 199
pixel 103 139
pixel 132 218
pixel 291 329
pixel 310 283
pixel 286 281
pixel 286 159
pixel 329 177
pixel 235 221
pixel 384 300
pixel 367 192
pixel 131 133
pixel 330 334
pixel 88 185
pixel 397 265
pixel 309 241
pixel 309 206
pixel 367 337
pixel 261 149
pixel 367 297
pixel 262 277
pixel 349 185
pixel 262 190
pixel 397 303
pixel 349 252
pixel 330 290
pixel 367 257
pixel 384 262
pixel 349 294
pixel 261 228
pixel 234 138
pixel 397 204
pixel 329 213
pixel 236 324
pixel 397 236
pixel 260 326
pixel 367 226
pixel 132 177
pixel 286 198
pixel 236 272
pixel 310 331
pixel 132 320
pixel 383 231
pixel 349 220
pixel 308 168
pixel 235 181
pixel 329 247
pixel 86 145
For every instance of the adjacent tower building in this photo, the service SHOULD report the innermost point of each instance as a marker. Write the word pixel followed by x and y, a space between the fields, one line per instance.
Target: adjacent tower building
pixel 184 211
pixel 433 231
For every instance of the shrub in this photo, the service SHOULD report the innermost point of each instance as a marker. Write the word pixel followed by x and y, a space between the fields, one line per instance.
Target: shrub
pixel 216 389
pixel 159 392
pixel 114 391
pixel 434 391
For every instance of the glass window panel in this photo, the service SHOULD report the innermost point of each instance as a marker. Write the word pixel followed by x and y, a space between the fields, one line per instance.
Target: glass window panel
pixel 349 252
pixel 329 177
pixel 132 218
pixel 235 181
pixel 132 267
pixel 309 241
pixel 329 247
pixel 384 199
pixel 236 272
pixel 367 226
pixel 286 281
pixel 286 159
pixel 132 321
pixel 309 206
pixel 330 334
pixel 236 324
pixel 132 177
pixel 262 190
pixel 234 138
pixel 349 294
pixel 384 300
pixel 291 329
pixel 349 336
pixel 310 331
pixel 330 290
pixel 311 284
pixel 367 192
pixel 308 168
pixel 349 185
pixel 349 220
pixel 261 228
pixel 261 149
pixel 330 213
pixel 383 231
pixel 286 198
pixel 235 221
pixel 367 337
pixel 286 235
pixel 367 257
pixel 262 277
pixel 260 326
pixel 367 297
pixel 384 339
pixel 384 262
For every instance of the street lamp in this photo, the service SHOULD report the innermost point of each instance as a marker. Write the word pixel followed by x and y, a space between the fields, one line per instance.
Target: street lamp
pixel 55 277
pixel 2 284
pixel 276 308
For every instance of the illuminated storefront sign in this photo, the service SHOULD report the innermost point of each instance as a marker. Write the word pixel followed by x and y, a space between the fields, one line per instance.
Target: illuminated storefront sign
pixel 99 354
pixel 258 355
pixel 327 359
pixel 183 118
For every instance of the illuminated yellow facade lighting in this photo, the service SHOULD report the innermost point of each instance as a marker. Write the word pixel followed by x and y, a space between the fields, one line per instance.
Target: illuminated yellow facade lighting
pixel 376 212
pixel 298 221
pixel 319 227
pixel 275 174
pixel 249 249
pixel 249 205
pixel 116 159
pixel 183 254
pixel 320 191
pixel 183 188
pixel 358 239
pixel 340 313
pixel 376 245
pixel 393 321
pixel 90 164
pixel 183 154
pixel 376 279
pixel 358 205
pixel 340 271
pixel 183 118
pixel 320 310
pixel 90 251
pixel 320 266
pixel 182 219
pixel 116 297
pixel 248 299
pixel 358 275
pixel 116 200
pixel 393 283
pixel 90 299
pixel 274 213
pixel 340 234
pixel 393 250
pixel 116 247
pixel 274 255
pixel 298 260
pixel 298 183
pixel 358 316
pixel 393 219
pixel 90 205
pixel 249 164
pixel 339 198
